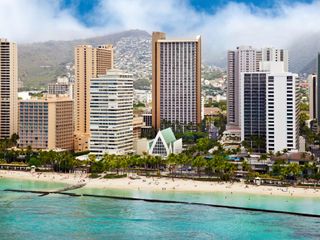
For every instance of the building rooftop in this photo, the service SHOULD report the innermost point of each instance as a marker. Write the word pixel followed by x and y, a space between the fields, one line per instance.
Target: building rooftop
pixel 294 156
pixel 168 135
pixel 211 111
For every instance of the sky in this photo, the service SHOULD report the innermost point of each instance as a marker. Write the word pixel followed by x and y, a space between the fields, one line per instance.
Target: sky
pixel 223 24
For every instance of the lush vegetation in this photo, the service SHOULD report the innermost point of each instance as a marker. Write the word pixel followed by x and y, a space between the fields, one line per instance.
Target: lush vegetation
pixel 212 74
pixel 211 90
pixel 142 84
pixel 139 105
pixel 194 162
pixel 222 105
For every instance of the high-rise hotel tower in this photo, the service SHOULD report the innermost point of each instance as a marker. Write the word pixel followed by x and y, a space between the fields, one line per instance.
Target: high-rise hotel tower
pixel 176 80
pixel 90 62
pixel 247 59
pixel 269 109
pixel 111 113
pixel 9 89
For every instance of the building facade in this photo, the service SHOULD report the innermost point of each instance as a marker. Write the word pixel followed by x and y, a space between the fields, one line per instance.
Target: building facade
pixel 46 123
pixel 247 59
pixel 137 125
pixel 276 55
pixel 176 80
pixel 111 115
pixel 90 62
pixel 312 84
pixel 253 102
pixel 282 112
pixel 165 143
pixel 61 89
pixel 9 89
pixel 269 110
pixel 243 59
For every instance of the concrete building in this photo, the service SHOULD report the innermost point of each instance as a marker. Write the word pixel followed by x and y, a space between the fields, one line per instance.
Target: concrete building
pixel 9 88
pixel 46 123
pixel 61 89
pixel 253 103
pixel 147 118
pixel 137 125
pixel 276 55
pixel 176 80
pixel 247 59
pixel 243 59
pixel 146 129
pixel 312 82
pixel 90 62
pixel 111 113
pixel 213 132
pixel 302 144
pixel 141 146
pixel 269 112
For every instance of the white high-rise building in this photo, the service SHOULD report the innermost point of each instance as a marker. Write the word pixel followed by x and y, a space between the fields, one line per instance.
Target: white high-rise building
pixel 111 113
pixel 276 55
pixel 248 59
pixel 269 112
pixel 282 112
pixel 243 59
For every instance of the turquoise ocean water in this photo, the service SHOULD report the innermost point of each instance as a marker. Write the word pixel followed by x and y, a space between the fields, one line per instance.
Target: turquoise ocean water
pixel 28 216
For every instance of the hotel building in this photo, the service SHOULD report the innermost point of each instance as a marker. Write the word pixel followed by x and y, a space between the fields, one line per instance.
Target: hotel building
pixel 247 59
pixel 90 62
pixel 46 123
pixel 176 80
pixel 111 115
pixel 61 89
pixel 318 91
pixel 312 83
pixel 269 109
pixel 9 89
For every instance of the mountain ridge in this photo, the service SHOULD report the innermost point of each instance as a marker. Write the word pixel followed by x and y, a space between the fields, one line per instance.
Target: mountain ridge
pixel 41 62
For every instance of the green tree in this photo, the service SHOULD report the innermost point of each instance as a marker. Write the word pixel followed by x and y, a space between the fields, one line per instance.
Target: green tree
pixel 199 162
pixel 292 170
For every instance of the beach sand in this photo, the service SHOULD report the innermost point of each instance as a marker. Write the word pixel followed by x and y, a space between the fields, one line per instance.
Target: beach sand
pixel 161 184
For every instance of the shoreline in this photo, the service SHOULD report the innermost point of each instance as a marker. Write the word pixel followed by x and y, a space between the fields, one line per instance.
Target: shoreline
pixel 161 184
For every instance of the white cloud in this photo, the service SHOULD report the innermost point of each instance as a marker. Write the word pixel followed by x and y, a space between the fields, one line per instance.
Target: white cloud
pixel 232 25
pixel 37 20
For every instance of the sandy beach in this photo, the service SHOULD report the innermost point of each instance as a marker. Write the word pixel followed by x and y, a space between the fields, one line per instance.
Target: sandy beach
pixel 162 184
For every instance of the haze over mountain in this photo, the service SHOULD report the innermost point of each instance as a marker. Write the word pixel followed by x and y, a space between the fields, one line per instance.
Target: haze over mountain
pixel 40 63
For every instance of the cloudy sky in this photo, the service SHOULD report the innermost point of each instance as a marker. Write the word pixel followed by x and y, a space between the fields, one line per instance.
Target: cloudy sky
pixel 222 24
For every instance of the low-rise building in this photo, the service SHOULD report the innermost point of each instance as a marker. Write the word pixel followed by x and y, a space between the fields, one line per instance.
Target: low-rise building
pixel 137 125
pixel 162 145
pixel 165 143
pixel 61 88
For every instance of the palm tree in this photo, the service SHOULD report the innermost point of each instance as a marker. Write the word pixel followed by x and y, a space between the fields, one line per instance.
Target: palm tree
pixel 158 160
pixel 246 166
pixel 263 157
pixel 292 170
pixel 172 161
pixel 199 162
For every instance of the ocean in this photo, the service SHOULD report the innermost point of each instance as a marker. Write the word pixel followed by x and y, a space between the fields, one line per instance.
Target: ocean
pixel 28 216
